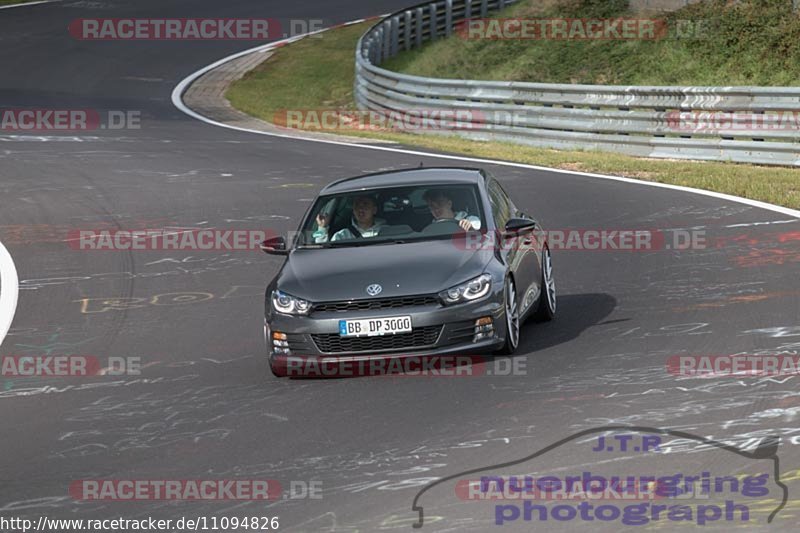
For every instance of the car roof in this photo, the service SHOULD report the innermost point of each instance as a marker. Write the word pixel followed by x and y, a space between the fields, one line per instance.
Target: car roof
pixel 400 178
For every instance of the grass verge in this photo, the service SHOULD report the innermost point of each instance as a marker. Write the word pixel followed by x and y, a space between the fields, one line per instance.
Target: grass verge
pixel 714 42
pixel 318 73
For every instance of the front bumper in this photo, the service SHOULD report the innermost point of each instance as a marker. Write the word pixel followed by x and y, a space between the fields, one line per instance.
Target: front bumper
pixel 450 361
pixel 436 330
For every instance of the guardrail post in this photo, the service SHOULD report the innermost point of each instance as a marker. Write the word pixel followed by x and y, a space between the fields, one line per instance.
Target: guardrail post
pixel 448 17
pixel 374 51
pixel 501 4
pixel 364 47
pixel 468 9
pixel 433 22
pixel 418 37
pixel 386 33
pixel 407 31
pixel 395 35
pixel 484 8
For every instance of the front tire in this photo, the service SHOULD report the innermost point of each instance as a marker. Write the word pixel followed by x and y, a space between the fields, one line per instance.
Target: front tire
pixel 512 319
pixel 547 300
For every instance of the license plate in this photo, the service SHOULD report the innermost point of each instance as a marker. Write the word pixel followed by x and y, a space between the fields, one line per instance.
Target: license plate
pixel 375 327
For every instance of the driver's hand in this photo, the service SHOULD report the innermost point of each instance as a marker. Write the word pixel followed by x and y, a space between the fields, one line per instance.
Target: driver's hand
pixel 465 224
pixel 322 221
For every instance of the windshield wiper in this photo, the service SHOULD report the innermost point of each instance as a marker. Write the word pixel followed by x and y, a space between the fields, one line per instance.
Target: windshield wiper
pixel 371 242
pixel 367 242
pixel 315 246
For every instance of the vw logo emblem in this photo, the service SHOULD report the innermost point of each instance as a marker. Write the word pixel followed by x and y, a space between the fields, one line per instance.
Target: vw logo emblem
pixel 374 289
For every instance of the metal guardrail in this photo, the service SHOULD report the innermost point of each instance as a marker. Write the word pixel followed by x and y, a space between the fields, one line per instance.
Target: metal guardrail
pixel 759 124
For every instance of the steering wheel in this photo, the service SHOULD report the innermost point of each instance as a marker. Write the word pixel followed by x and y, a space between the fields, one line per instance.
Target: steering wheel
pixel 442 227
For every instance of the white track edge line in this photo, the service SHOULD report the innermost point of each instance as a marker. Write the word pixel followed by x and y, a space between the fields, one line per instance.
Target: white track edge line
pixel 9 291
pixel 28 4
pixel 9 282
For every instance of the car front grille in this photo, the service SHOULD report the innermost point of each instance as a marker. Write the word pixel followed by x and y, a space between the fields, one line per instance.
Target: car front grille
pixel 424 337
pixel 367 305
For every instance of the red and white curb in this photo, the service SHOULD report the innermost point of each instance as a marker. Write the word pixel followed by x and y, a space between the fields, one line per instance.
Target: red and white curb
pixel 177 100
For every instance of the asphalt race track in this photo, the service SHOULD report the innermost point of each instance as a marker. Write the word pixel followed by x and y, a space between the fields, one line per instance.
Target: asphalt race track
pixel 206 406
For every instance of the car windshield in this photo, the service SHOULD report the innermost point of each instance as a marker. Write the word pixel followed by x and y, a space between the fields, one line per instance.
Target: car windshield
pixel 389 215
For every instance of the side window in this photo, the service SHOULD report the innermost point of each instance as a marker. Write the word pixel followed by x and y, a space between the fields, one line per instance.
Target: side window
pixel 512 209
pixel 327 208
pixel 342 215
pixel 307 235
pixel 337 210
pixel 502 208
pixel 417 200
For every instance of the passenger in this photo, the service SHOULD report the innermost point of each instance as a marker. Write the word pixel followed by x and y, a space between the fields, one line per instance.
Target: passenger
pixel 363 224
pixel 441 207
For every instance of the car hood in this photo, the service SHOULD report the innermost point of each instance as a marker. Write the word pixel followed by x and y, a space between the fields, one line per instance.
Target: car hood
pixel 334 274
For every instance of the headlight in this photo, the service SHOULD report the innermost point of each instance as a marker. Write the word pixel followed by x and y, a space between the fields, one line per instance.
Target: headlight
pixel 287 304
pixel 466 292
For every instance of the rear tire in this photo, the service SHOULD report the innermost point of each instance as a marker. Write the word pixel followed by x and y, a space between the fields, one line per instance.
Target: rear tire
pixel 548 297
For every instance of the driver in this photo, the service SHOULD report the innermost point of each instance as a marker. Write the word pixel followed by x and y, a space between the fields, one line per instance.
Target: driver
pixel 363 224
pixel 441 207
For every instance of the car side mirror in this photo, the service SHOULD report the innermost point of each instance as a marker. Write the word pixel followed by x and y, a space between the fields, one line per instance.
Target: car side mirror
pixel 275 246
pixel 515 226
